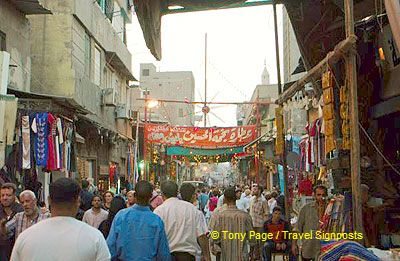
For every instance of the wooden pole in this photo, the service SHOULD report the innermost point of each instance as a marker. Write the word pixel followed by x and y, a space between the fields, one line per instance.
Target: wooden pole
pixel 278 68
pixel 351 72
pixel 257 156
pixel 332 57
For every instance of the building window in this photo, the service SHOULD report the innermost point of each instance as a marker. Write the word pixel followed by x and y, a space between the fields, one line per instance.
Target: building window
pixel 181 113
pixel 119 21
pixel 145 72
pixel 2 41
pixel 107 7
pixel 97 66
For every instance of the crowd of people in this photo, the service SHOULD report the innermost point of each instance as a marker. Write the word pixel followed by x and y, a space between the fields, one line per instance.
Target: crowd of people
pixel 151 223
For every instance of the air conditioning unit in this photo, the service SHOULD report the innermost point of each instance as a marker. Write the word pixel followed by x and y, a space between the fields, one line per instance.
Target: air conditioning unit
pixel 121 112
pixel 110 97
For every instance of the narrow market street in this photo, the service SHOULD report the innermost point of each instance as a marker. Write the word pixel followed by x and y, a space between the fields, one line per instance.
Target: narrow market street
pixel 199 130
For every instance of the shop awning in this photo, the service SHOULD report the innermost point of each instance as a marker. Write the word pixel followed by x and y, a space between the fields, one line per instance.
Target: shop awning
pixel 149 14
pixel 181 151
pixel 318 25
pixel 50 102
pixel 30 7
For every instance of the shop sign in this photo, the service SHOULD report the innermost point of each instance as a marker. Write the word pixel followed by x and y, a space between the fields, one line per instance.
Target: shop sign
pixel 195 137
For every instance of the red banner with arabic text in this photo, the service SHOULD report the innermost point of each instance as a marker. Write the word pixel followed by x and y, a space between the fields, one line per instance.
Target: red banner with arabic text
pixel 196 137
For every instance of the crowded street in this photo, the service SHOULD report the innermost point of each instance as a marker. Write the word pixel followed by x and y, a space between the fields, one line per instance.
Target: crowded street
pixel 199 130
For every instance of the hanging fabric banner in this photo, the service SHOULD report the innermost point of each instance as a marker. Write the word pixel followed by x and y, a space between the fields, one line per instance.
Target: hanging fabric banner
pixel 181 151
pixel 195 137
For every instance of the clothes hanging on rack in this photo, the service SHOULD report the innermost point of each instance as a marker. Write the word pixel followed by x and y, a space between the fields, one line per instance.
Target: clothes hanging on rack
pixel 40 128
pixel 51 161
pixel 26 142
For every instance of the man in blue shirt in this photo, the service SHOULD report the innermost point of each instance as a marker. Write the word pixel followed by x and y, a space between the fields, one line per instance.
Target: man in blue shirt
pixel 203 199
pixel 138 234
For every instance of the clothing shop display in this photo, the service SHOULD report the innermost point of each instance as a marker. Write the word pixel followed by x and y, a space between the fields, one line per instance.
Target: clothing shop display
pixel 43 140
pixel 40 128
pixel 26 143
pixel 112 173
pixel 51 161
pixel 9 121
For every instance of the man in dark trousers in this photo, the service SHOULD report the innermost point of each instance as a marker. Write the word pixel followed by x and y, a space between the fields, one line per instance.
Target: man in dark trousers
pixel 8 208
pixel 279 243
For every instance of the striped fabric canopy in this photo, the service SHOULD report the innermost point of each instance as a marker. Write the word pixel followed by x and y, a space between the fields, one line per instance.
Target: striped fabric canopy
pixel 345 251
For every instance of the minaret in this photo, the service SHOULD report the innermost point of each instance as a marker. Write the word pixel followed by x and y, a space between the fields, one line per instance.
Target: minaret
pixel 265 75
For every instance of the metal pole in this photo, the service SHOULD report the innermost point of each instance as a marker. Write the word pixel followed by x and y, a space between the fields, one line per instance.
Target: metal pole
pixel 278 68
pixel 136 169
pixel 257 159
pixel 205 79
pixel 351 72
pixel 144 140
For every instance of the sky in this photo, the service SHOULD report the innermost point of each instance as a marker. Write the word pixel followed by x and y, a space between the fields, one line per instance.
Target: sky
pixel 239 42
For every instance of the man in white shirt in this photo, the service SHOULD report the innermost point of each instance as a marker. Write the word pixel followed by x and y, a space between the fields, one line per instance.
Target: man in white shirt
pixel 272 202
pixel 188 194
pixel 244 202
pixel 182 225
pixel 61 237
pixel 96 214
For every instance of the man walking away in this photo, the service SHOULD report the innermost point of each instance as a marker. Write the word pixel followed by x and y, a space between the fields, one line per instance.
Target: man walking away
pixel 203 198
pixel 182 224
pixel 96 214
pixel 8 208
pixel 61 237
pixel 235 221
pixel 188 194
pixel 86 196
pixel 259 213
pixel 137 233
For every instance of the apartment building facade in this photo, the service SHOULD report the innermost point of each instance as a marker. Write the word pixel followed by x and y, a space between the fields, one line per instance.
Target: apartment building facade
pixel 79 54
pixel 168 85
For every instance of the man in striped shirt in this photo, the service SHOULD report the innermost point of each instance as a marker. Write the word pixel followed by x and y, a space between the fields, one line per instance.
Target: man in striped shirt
pixel 23 220
pixel 235 221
